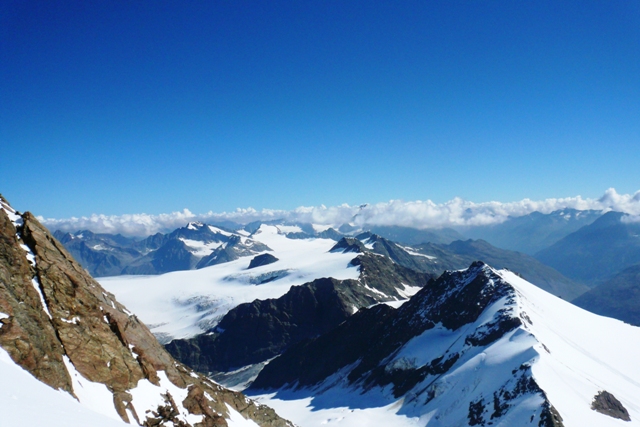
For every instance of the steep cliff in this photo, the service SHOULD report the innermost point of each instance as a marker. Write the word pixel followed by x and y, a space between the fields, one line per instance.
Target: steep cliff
pixel 61 326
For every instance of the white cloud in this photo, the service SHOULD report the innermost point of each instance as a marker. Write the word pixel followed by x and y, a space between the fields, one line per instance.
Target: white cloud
pixel 419 214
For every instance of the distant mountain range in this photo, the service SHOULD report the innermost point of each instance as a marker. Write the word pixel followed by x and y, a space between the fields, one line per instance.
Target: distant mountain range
pixel 196 245
pixel 533 232
pixel 617 297
pixel 597 251
pixel 324 325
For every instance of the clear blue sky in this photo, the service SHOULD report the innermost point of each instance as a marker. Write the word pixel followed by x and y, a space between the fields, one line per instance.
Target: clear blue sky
pixel 125 107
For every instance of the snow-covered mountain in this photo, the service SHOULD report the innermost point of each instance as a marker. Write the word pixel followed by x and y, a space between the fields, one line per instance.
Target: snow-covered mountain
pixel 253 333
pixel 59 326
pixel 476 347
pixel 182 304
pixel 196 245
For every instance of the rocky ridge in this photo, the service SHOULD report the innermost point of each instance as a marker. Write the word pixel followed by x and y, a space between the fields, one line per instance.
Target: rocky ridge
pixel 61 326
pixel 476 347
pixel 255 332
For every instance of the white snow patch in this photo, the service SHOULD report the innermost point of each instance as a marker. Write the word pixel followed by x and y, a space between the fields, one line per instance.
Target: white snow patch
pixel 237 420
pixel 94 396
pixel 201 249
pixel 74 320
pixel 36 285
pixel 14 217
pixel 219 231
pixel 25 401
pixel 148 396
pixel 30 256
pixel 408 291
pixel 413 252
pixel 289 229
pixel 3 316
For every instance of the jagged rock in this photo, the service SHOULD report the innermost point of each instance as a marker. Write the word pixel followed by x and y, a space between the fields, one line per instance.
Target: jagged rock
pixel 255 332
pixel 55 310
pixel 260 260
pixel 606 403
pixel 232 250
pixel 348 244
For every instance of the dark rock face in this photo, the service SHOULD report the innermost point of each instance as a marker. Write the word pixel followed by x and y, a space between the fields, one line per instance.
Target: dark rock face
pixel 232 250
pixel 100 254
pixel 413 236
pixel 171 256
pixel 349 244
pixel 374 348
pixel 460 253
pixel 55 309
pixel 330 233
pixel 312 361
pixel 434 259
pixel 260 260
pixel 606 403
pixel 392 329
pixel 257 331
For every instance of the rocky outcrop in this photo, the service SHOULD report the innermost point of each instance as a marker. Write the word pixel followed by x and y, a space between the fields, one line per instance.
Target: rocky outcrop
pixel 235 248
pixel 255 332
pixel 421 351
pixel 57 319
pixel 606 403
pixel 260 260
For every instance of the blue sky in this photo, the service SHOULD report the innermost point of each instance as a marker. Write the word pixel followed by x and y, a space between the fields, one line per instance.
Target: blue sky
pixel 116 107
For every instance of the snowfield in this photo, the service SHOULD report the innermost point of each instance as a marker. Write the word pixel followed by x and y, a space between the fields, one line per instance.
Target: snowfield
pixel 183 304
pixel 25 401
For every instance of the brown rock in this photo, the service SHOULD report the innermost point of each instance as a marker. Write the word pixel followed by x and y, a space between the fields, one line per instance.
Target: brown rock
pixel 105 343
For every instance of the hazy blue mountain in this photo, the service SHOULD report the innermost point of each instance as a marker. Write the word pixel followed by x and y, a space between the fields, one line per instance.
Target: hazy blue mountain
pixel 194 246
pixel 618 297
pixel 460 253
pixel 597 251
pixel 100 254
pixel 435 259
pixel 414 236
pixel 534 232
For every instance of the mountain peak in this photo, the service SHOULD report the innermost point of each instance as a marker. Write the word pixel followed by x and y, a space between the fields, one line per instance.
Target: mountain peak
pixel 61 326
pixel 476 347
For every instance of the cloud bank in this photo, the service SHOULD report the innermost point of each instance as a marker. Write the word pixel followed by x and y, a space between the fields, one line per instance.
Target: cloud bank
pixel 419 214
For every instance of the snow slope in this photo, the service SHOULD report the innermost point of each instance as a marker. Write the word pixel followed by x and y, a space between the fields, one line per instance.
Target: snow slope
pixel 25 401
pixel 557 354
pixel 183 304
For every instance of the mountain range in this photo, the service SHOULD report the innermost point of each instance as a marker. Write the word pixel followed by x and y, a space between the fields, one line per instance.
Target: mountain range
pixel 618 297
pixel 533 232
pixel 476 347
pixel 597 251
pixel 196 245
pixel 61 327
pixel 326 326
